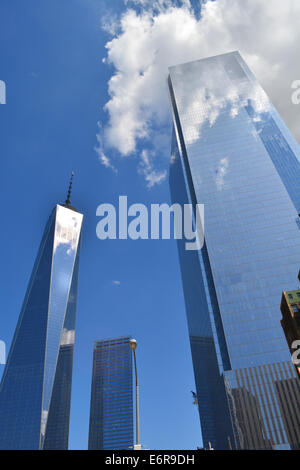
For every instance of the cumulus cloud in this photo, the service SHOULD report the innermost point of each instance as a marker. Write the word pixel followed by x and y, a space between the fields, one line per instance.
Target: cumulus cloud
pixel 104 160
pixel 154 35
pixel 146 168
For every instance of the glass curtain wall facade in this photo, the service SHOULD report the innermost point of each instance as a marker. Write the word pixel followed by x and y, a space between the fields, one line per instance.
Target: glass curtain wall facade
pixel 232 152
pixel 111 413
pixel 35 390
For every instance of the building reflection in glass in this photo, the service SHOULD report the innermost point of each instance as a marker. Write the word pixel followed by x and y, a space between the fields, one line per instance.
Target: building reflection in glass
pixel 232 152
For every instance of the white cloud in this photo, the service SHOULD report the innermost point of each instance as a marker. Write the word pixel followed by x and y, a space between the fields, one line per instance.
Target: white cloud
pixel 110 24
pixel 152 176
pixel 266 33
pixel 104 160
pixel 116 283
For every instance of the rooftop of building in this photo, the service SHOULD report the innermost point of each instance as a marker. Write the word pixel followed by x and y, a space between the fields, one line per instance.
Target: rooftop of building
pixel 293 296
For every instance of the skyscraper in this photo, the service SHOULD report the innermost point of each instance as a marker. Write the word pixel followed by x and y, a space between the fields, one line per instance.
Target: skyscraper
pixel 35 390
pixel 232 152
pixel 111 414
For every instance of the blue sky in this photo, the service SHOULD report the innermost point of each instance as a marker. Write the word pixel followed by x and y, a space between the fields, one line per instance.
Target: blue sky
pixel 62 62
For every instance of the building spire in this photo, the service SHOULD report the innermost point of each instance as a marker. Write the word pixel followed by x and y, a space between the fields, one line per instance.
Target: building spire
pixel 68 201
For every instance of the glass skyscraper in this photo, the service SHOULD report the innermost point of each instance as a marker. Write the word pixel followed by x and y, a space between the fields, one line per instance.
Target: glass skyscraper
pixel 35 390
pixel 111 414
pixel 232 152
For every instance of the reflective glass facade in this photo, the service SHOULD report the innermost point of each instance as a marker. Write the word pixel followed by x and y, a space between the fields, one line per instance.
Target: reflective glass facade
pixel 35 390
pixel 232 152
pixel 111 415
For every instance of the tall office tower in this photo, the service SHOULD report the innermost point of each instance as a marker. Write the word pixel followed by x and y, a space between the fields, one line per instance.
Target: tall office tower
pixel 35 389
pixel 111 414
pixel 232 152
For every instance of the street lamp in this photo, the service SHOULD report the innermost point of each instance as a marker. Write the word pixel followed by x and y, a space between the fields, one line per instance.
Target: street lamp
pixel 133 345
